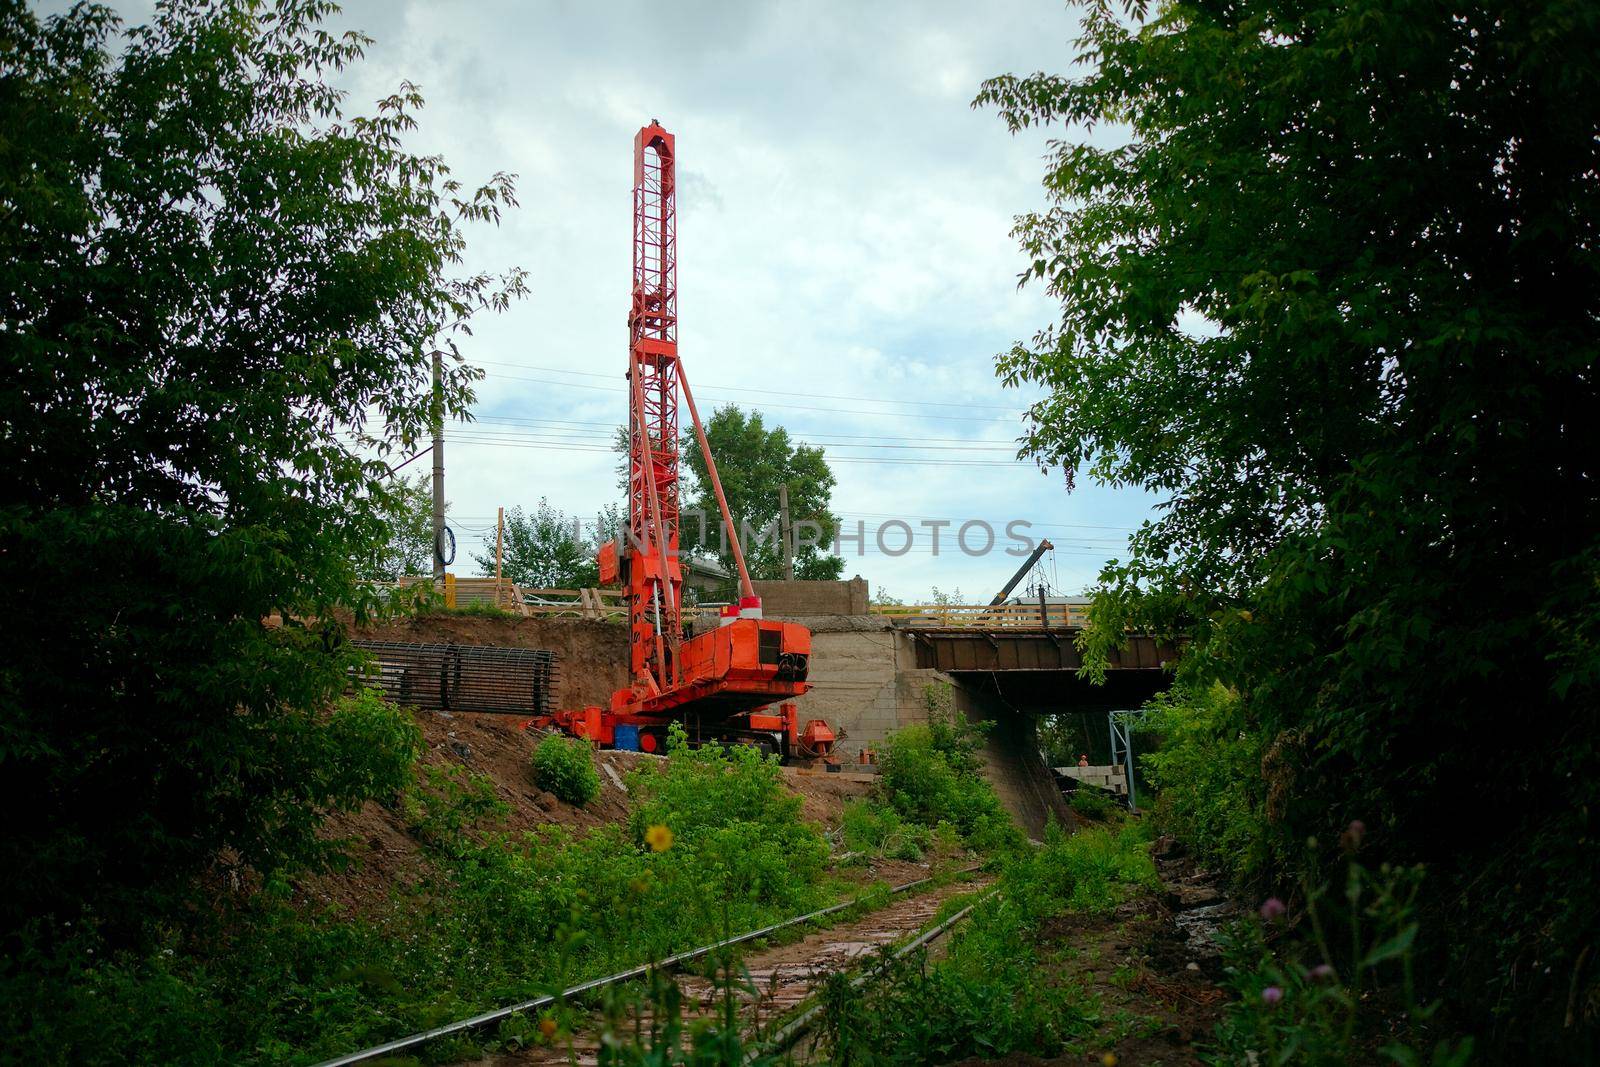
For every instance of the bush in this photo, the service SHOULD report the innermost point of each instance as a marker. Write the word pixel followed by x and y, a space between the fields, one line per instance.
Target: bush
pixel 727 808
pixel 1207 771
pixel 499 917
pixel 1089 871
pixel 929 774
pixel 867 826
pixel 565 766
pixel 1091 803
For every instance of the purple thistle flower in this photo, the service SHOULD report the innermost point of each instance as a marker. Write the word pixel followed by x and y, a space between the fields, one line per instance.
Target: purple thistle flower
pixel 1271 995
pixel 1272 908
pixel 1322 970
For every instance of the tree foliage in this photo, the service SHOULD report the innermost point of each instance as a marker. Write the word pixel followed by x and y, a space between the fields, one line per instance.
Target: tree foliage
pixel 220 298
pixel 752 462
pixel 1328 284
pixel 408 548
pixel 549 550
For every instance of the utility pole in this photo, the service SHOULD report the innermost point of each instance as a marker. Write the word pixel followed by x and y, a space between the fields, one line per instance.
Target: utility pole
pixel 499 549
pixel 438 469
pixel 786 531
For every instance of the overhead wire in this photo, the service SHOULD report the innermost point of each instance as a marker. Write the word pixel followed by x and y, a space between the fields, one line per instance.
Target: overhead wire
pixel 617 390
pixel 751 389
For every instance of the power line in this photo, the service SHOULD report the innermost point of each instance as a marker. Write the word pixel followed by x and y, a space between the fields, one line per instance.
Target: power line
pixel 1050 525
pixel 769 392
pixel 565 438
pixel 491 443
pixel 617 390
pixel 799 438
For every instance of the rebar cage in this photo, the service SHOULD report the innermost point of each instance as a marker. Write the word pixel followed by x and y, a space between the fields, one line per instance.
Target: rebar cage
pixel 469 678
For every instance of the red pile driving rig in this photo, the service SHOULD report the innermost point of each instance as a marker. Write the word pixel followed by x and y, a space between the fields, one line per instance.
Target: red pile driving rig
pixel 720 684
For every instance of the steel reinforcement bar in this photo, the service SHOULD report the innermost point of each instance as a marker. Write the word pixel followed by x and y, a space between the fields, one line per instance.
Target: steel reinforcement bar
pixel 486 679
pixel 411 1041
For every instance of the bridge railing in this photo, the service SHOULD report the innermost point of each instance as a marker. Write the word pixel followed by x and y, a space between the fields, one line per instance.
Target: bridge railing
pixel 609 604
pixel 533 601
pixel 1054 616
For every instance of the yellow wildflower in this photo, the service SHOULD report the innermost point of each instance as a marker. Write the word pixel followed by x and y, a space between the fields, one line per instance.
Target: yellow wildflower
pixel 1109 1059
pixel 547 1027
pixel 658 837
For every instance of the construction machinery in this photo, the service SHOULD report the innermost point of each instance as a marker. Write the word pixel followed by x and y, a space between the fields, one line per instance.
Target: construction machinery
pixel 720 684
pixel 1027 565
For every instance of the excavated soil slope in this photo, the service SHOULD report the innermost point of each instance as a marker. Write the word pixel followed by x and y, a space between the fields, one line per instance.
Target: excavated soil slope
pixel 388 856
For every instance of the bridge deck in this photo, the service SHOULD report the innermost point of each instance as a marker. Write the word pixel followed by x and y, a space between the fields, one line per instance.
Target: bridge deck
pixel 972 649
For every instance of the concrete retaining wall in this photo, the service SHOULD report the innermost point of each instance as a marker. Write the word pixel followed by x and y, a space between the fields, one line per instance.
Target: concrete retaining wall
pixel 785 600
pixel 865 682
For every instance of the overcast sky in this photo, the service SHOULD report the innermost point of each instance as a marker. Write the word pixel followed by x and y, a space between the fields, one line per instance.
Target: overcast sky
pixel 845 259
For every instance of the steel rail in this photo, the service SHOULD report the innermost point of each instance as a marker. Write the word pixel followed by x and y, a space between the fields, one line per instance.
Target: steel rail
pixel 791 1031
pixel 463 1025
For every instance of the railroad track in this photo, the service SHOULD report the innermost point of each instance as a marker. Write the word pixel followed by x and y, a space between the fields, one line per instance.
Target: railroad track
pixel 787 976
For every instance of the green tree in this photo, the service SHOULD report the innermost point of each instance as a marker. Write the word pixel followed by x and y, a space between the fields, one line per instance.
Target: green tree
pixel 752 462
pixel 548 549
pixel 1329 285
pixel 221 294
pixel 408 548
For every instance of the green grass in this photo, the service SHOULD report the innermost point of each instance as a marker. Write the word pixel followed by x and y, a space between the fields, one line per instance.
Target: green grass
pixel 1091 803
pixel 266 977
pixel 501 917
pixel 994 992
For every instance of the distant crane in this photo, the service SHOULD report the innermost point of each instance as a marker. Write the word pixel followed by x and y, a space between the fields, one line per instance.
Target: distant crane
pixel 718 683
pixel 1027 565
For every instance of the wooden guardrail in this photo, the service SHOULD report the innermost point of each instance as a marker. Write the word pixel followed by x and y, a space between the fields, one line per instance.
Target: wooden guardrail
pixel 531 601
pixel 1054 616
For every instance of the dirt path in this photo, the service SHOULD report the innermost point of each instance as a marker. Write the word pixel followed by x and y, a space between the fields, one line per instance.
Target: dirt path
pixel 782 975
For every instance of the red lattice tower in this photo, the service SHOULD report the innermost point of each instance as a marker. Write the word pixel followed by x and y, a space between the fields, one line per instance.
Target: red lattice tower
pixel 655 579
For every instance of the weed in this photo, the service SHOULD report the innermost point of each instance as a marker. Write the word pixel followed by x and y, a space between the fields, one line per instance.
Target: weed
pixel 499 917
pixel 447 801
pixel 1091 803
pixel 1309 998
pixel 929 775
pixel 994 990
pixel 477 608
pixel 565 766
pixel 869 826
